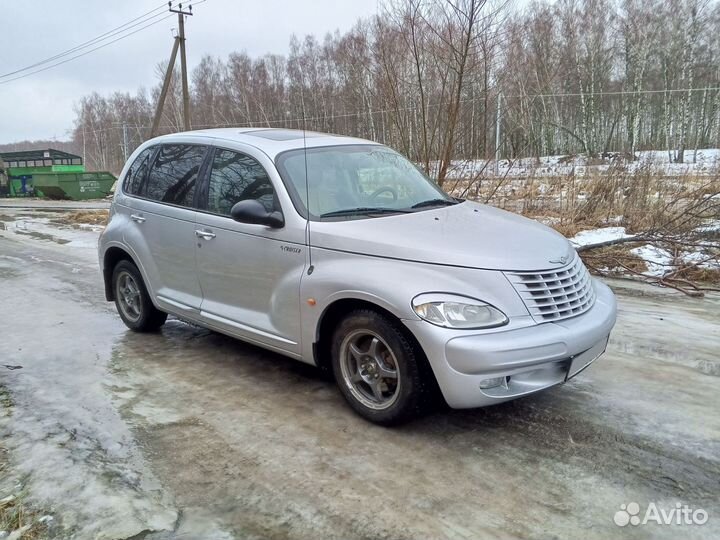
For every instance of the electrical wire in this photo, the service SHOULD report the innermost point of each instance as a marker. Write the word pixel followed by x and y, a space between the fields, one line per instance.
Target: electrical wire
pixel 85 44
pixel 86 52
pixel 125 27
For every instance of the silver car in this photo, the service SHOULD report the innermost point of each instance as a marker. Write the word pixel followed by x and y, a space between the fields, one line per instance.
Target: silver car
pixel 340 253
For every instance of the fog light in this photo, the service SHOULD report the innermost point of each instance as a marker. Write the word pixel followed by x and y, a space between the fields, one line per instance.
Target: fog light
pixel 492 383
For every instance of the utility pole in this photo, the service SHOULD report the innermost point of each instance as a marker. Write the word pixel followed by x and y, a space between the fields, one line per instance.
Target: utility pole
pixel 164 91
pixel 183 65
pixel 125 141
pixel 497 135
pixel 179 43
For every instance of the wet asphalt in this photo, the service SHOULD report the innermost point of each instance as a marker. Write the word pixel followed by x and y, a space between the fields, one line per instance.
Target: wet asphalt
pixel 190 434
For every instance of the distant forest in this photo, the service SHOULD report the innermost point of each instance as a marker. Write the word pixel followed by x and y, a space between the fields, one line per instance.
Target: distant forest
pixel 435 79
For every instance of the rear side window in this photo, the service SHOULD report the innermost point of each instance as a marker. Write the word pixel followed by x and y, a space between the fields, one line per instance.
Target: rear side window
pixel 174 174
pixel 137 171
pixel 236 177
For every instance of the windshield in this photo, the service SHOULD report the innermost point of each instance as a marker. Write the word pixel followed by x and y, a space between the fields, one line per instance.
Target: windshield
pixel 358 180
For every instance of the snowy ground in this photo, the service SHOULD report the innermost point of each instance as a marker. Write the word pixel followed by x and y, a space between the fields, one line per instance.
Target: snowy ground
pixel 705 162
pixel 598 236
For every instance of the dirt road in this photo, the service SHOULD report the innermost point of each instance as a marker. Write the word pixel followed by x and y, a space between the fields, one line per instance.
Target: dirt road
pixel 189 434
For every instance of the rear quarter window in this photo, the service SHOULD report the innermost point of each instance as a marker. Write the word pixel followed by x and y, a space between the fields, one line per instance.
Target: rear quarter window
pixel 174 174
pixel 136 173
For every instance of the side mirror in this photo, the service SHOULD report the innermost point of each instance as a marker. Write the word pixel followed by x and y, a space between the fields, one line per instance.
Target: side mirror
pixel 252 211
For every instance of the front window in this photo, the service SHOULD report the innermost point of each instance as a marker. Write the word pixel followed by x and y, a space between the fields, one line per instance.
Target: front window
pixel 236 177
pixel 356 181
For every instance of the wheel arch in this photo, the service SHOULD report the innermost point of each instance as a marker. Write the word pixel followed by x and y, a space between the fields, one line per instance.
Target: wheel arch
pixel 112 256
pixel 335 312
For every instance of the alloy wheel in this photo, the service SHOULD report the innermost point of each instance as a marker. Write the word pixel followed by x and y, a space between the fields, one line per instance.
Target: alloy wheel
pixel 370 369
pixel 128 293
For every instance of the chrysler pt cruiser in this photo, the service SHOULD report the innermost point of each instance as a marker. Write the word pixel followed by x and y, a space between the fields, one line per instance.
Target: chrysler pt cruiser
pixel 340 253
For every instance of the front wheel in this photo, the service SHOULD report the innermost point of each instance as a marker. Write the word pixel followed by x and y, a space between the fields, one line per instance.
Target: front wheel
pixel 133 301
pixel 377 368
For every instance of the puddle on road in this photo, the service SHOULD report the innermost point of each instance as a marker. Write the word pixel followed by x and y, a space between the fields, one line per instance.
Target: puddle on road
pixel 42 236
pixel 52 226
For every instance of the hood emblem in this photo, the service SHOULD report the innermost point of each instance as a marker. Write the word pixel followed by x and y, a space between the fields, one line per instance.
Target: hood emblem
pixel 559 260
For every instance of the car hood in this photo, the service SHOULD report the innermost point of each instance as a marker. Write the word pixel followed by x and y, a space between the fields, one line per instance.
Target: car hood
pixel 468 234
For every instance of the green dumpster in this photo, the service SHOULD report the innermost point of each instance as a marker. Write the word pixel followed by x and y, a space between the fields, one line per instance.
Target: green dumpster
pixel 76 186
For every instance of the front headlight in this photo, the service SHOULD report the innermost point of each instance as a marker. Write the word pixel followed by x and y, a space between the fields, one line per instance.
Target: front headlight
pixel 455 311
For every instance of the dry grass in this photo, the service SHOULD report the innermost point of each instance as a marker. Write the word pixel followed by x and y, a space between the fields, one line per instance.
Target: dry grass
pixel 698 274
pixel 15 516
pixel 84 217
pixel 641 199
pixel 568 228
pixel 665 210
pixel 6 402
pixel 614 261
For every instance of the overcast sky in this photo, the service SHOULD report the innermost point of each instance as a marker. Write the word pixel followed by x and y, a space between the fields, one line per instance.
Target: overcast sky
pixel 41 106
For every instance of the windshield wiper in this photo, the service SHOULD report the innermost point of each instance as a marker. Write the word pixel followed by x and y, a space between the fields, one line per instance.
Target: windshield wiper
pixel 434 202
pixel 363 210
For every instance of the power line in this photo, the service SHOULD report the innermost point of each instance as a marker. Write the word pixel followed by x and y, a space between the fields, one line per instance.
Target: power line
pixel 616 93
pixel 84 53
pixel 430 105
pixel 97 40
pixel 85 44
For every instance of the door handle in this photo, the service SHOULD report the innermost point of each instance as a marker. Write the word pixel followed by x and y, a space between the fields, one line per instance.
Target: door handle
pixel 207 235
pixel 137 218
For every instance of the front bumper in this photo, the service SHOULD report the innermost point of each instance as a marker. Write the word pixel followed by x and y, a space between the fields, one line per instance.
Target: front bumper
pixel 528 359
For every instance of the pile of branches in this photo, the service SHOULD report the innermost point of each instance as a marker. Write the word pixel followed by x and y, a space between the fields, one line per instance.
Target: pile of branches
pixel 687 223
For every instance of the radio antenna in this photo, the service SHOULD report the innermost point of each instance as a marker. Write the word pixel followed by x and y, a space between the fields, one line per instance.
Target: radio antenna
pixel 307 187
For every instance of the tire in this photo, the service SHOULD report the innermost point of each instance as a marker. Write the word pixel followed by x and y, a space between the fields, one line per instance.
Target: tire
pixel 132 299
pixel 378 369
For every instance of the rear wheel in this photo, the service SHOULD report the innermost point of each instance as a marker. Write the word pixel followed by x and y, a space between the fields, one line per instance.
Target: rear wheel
pixel 133 301
pixel 377 368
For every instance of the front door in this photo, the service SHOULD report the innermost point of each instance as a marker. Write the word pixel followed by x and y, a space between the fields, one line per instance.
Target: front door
pixel 249 274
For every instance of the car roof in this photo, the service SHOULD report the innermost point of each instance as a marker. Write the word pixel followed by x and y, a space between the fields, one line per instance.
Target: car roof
pixel 272 141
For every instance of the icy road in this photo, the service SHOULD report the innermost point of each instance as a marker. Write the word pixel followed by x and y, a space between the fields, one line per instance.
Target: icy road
pixel 189 434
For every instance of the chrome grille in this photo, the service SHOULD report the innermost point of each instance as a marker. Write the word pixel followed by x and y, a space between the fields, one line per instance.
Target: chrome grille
pixel 555 294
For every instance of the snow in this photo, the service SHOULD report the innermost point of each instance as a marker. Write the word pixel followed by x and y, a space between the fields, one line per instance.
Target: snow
pixel 658 260
pixel 705 162
pixel 711 226
pixel 596 236
pixel 701 259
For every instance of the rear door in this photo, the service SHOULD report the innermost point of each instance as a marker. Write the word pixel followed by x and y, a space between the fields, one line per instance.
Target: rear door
pixel 161 227
pixel 249 274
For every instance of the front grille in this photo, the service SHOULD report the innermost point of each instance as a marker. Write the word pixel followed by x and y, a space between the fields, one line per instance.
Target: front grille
pixel 556 294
